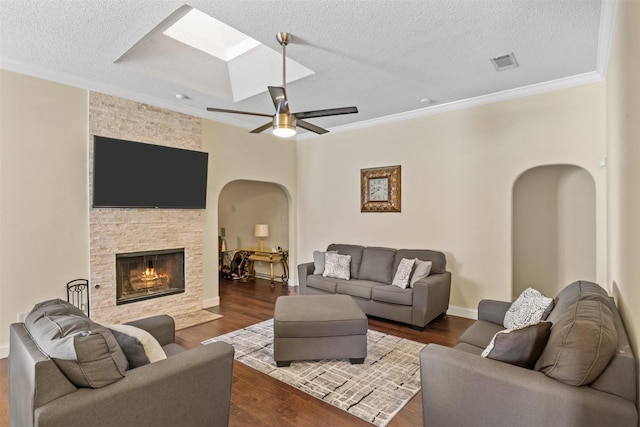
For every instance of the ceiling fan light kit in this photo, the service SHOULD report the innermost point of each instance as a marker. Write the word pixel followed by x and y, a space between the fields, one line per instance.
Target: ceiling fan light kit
pixel 285 123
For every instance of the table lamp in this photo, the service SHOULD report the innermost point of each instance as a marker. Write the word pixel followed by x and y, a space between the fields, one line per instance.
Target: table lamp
pixel 261 231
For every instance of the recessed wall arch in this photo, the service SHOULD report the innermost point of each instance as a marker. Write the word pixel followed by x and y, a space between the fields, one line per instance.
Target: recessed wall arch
pixel 554 228
pixel 244 203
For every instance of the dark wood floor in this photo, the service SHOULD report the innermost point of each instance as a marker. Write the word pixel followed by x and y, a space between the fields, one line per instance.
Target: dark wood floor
pixel 259 400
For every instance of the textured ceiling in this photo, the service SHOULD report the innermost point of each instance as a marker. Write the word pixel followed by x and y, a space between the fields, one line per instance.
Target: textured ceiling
pixel 383 56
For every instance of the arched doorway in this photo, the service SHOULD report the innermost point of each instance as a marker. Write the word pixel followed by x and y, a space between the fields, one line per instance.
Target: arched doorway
pixel 554 228
pixel 244 203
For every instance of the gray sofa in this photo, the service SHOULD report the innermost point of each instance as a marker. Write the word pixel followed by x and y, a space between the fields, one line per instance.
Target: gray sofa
pixel 461 388
pixel 372 271
pixel 189 387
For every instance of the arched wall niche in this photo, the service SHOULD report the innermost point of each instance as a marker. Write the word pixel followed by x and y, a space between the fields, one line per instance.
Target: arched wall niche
pixel 554 228
pixel 244 203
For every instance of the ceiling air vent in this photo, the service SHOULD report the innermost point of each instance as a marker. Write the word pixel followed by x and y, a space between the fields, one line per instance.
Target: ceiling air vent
pixel 505 62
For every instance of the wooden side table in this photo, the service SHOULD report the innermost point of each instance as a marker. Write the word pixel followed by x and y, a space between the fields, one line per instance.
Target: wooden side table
pixel 272 257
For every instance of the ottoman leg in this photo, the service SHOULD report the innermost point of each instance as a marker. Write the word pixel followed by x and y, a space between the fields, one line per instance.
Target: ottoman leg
pixel 358 361
pixel 283 364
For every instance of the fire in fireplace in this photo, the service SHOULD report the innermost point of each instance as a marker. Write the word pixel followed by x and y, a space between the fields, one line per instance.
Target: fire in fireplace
pixel 145 275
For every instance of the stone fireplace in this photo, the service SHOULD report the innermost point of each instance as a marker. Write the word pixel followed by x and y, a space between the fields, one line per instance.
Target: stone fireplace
pixel 114 232
pixel 152 274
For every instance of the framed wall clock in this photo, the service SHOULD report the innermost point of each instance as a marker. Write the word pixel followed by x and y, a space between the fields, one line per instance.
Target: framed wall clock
pixel 380 189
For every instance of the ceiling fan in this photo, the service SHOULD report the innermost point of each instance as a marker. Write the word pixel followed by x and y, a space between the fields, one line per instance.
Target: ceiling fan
pixel 283 121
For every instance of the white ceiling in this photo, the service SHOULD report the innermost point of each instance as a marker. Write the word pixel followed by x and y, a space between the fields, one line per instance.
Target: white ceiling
pixel 383 56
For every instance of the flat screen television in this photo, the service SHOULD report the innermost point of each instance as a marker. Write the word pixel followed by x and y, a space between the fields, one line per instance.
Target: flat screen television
pixel 129 174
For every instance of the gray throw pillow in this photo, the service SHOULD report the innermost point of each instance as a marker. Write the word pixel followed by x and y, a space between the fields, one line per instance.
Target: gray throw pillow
pixel 132 349
pixel 582 342
pixel 520 346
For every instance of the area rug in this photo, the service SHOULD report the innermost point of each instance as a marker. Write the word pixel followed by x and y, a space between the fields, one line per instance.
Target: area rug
pixel 374 391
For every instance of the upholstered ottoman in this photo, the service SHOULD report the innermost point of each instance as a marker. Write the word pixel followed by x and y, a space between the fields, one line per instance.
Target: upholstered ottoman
pixel 311 327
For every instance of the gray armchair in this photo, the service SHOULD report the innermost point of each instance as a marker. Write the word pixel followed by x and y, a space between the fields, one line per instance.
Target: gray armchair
pixel 189 387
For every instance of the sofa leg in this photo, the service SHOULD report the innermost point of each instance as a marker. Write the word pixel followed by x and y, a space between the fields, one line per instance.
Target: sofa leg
pixel 283 364
pixel 358 361
pixel 419 328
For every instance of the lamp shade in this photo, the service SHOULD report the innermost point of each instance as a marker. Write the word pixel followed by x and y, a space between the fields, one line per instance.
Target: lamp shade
pixel 261 230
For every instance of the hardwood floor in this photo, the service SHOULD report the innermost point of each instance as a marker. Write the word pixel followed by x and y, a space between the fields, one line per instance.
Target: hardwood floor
pixel 259 400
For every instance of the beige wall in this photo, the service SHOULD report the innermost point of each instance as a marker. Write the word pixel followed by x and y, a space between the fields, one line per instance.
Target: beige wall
pixel 458 172
pixel 235 154
pixel 44 208
pixel 623 139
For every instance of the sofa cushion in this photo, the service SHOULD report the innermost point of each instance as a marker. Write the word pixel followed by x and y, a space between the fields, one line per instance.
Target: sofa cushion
pixel 356 288
pixel 392 294
pixel 437 258
pixel 421 269
pixel 403 273
pixel 87 353
pixel 337 266
pixel 581 344
pixel 327 284
pixel 528 308
pixel 355 251
pixel 519 346
pixel 150 345
pixel 378 265
pixel 577 291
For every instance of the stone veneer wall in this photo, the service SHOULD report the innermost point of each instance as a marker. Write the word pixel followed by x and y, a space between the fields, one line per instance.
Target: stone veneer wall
pixel 114 231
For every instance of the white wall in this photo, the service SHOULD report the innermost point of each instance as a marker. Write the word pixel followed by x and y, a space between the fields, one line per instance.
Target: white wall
pixel 44 208
pixel 458 170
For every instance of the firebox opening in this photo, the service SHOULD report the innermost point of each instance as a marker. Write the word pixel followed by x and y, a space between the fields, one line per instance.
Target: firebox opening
pixel 152 274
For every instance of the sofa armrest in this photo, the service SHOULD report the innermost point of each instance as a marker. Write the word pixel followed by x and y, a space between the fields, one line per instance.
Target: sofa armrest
pixel 304 270
pixel 463 389
pixel 493 310
pixel 430 298
pixel 162 327
pixel 191 388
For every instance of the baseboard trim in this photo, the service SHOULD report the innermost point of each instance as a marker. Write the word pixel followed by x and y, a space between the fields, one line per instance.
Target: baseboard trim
pixel 468 313
pixel 211 302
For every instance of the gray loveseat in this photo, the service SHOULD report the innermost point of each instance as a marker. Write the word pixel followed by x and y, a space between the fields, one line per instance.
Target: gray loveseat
pixel 188 388
pixel 372 271
pixel 461 388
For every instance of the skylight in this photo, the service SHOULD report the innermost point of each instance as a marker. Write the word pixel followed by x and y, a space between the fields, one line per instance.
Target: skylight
pixel 207 34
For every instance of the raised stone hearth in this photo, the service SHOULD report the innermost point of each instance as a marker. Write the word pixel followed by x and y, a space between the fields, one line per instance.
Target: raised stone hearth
pixel 116 231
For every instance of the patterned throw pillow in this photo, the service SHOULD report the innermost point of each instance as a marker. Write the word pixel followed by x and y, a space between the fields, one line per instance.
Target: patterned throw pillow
pixel 318 261
pixel 401 279
pixel 421 270
pixel 337 266
pixel 529 308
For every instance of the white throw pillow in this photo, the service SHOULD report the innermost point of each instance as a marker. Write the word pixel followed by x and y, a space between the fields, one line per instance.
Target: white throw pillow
pixel 401 279
pixel 318 261
pixel 527 309
pixel 152 347
pixel 420 271
pixel 337 266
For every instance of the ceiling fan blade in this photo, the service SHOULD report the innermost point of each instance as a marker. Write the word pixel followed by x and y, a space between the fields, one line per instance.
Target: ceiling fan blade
pixel 222 110
pixel 279 97
pixel 327 112
pixel 311 127
pixel 262 128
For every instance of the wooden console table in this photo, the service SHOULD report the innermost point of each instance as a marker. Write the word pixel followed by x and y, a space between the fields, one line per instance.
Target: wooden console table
pixel 272 257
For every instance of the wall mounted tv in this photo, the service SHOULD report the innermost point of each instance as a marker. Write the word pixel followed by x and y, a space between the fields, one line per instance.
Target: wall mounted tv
pixel 129 174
